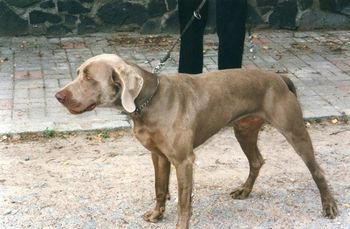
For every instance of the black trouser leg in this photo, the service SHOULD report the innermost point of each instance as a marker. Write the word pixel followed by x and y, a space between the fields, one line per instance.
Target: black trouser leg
pixel 230 24
pixel 191 49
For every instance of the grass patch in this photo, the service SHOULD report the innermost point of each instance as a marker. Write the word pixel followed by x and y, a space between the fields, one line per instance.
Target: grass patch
pixel 49 133
pixel 103 134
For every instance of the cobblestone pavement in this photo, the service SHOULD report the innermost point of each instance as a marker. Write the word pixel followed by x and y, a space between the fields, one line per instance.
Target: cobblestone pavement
pixel 32 69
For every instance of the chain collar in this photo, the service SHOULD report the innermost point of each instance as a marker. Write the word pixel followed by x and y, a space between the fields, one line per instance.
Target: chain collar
pixel 139 108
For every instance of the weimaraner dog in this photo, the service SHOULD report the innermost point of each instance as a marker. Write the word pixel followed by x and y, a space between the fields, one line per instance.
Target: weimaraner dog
pixel 172 115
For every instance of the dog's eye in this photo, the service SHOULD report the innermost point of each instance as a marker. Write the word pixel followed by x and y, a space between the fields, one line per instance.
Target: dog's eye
pixel 87 77
pixel 86 74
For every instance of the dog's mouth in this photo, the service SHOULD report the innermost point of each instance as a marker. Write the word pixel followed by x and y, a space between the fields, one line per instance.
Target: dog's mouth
pixel 89 108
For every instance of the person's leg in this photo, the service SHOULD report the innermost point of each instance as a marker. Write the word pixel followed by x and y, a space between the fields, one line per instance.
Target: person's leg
pixel 230 23
pixel 191 48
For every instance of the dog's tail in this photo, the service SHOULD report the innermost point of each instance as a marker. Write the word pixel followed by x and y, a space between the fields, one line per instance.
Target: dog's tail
pixel 290 84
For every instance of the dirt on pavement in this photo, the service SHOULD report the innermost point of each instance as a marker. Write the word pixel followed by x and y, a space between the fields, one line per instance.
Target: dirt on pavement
pixel 105 180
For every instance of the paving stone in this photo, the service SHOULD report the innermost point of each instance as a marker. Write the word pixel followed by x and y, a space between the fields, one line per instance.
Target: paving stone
pixel 6 94
pixel 20 114
pixel 21 105
pixel 71 45
pixel 96 51
pixel 322 77
pixel 37 112
pixel 5 115
pixel 6 82
pixel 63 82
pixel 21 93
pixel 5 104
pixel 28 75
pixel 51 83
pixel 52 102
pixel 56 76
pixel 8 69
pixel 26 84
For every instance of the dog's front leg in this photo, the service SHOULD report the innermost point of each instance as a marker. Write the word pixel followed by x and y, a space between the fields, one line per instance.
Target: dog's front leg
pixel 184 173
pixel 162 171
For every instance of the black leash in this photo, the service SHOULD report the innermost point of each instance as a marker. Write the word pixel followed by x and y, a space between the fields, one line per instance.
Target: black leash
pixel 196 15
pixel 157 69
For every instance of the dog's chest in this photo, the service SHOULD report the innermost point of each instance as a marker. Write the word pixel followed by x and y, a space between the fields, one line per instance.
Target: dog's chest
pixel 145 137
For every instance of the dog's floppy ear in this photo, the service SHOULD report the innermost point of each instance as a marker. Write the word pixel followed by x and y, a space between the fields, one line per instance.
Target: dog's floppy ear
pixel 131 84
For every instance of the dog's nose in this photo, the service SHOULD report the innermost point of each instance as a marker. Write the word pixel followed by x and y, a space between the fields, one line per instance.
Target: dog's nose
pixel 61 97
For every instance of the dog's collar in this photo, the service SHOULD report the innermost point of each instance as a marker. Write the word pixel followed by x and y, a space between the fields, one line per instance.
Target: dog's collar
pixel 139 108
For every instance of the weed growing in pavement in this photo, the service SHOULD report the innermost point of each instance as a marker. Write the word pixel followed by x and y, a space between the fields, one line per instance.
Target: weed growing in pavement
pixel 49 133
pixel 103 134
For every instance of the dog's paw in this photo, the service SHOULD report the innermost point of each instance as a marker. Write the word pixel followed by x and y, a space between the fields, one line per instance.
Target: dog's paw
pixel 240 193
pixel 330 209
pixel 154 215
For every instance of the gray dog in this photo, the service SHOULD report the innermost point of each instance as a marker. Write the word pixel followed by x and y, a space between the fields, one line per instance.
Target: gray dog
pixel 173 115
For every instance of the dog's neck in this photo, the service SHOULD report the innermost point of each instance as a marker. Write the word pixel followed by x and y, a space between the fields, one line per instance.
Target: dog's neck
pixel 149 89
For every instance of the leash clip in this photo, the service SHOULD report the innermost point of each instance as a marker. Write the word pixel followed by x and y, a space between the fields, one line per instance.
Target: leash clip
pixel 197 15
pixel 162 61
pixel 158 68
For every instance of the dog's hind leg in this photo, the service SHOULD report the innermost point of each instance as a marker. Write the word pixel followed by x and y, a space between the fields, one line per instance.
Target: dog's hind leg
pixel 246 131
pixel 287 118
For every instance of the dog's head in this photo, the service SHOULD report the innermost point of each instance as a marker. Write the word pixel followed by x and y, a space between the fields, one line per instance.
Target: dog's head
pixel 103 80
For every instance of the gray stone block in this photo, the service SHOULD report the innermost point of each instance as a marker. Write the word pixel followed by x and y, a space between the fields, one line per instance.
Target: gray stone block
pixel 21 3
pixel 72 7
pixel 14 24
pixel 156 8
pixel 284 14
pixel 315 19
pixel 58 30
pixel 37 17
pixel 87 25
pixel 47 4
pixel 122 13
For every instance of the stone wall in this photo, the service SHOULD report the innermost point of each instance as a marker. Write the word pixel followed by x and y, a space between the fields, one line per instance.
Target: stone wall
pixel 64 17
